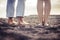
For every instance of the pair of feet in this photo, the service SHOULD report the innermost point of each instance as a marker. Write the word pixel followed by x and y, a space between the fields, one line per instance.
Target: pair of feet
pixel 44 24
pixel 19 22
pixel 23 23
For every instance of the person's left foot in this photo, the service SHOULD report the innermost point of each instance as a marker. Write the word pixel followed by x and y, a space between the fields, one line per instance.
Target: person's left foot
pixel 48 25
pixel 23 23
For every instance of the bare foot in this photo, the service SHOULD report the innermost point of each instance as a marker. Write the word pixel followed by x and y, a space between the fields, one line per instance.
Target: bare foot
pixel 23 23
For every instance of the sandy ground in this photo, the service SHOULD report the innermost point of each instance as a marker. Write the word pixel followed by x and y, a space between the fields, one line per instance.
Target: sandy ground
pixel 28 32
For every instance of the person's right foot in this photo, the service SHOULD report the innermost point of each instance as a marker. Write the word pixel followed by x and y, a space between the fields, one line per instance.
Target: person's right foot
pixel 39 26
pixel 11 22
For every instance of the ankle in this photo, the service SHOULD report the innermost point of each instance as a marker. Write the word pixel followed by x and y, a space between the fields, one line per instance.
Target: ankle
pixel 43 22
pixel 10 20
pixel 20 19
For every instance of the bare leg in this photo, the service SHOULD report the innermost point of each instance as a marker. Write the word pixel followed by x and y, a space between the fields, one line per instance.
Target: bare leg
pixel 40 10
pixel 47 9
